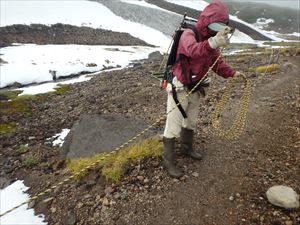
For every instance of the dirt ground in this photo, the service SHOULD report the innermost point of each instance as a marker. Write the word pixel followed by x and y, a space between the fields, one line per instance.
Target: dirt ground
pixel 227 187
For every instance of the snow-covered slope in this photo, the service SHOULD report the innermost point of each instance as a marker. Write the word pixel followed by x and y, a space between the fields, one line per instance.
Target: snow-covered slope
pixel 78 13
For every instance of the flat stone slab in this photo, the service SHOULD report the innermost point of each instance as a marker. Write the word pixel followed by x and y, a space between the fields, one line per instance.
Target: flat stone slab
pixel 94 134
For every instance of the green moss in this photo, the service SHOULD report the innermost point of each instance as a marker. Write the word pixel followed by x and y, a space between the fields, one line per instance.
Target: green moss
pixel 269 68
pixel 30 162
pixel 6 128
pixel 114 165
pixel 61 89
pixel 22 149
pixel 44 165
pixel 12 107
pixel 9 95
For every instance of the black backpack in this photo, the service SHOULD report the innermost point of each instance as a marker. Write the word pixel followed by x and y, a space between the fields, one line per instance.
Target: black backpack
pixel 187 23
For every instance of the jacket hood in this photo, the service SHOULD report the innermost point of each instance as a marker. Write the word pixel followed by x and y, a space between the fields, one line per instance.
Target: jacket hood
pixel 216 11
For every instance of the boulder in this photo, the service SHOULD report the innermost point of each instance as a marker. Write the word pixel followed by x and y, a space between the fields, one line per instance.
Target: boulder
pixel 283 196
pixel 93 134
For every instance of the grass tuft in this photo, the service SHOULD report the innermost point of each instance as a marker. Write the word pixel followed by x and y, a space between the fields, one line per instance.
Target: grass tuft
pixel 7 128
pixel 31 162
pixel 61 89
pixel 114 165
pixel 9 95
pixel 270 68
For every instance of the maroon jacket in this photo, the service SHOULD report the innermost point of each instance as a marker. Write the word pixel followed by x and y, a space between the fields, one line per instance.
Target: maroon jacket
pixel 201 55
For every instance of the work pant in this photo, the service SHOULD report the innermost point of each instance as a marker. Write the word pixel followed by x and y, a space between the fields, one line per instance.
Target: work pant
pixel 175 120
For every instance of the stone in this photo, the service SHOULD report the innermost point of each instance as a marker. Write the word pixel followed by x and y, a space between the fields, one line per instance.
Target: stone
pixel 195 174
pixel 283 196
pixel 94 133
pixel 105 202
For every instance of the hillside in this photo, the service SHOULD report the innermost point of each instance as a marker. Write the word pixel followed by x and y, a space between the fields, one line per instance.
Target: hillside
pixel 244 169
pixel 286 20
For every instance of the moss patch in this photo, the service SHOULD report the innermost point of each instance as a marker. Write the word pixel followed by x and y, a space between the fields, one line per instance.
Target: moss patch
pixel 12 107
pixel 6 128
pixel 114 165
pixel 9 95
pixel 61 89
pixel 270 68
pixel 30 162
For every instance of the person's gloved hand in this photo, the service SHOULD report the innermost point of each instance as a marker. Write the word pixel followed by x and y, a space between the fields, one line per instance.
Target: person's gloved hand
pixel 221 39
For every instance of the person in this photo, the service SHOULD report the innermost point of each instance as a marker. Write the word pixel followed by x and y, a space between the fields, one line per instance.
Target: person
pixel 199 56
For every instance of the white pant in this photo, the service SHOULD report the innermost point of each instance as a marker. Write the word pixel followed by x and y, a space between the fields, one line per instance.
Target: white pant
pixel 175 119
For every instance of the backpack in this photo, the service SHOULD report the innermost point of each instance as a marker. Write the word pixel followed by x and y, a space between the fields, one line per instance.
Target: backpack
pixel 187 23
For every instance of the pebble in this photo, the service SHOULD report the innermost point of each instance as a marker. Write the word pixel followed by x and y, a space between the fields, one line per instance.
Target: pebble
pixel 195 174
pixel 140 178
pixel 105 202
pixel 231 198
pixel 108 190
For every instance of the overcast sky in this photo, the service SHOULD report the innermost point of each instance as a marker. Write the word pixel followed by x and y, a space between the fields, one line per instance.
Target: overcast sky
pixel 295 4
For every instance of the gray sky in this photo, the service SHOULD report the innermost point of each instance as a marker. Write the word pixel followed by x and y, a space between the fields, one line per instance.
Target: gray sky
pixel 295 4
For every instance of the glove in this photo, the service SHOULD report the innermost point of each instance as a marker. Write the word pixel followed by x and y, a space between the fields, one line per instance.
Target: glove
pixel 220 40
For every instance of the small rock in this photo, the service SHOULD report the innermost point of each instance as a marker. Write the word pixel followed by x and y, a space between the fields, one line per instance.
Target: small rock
pixel 283 196
pixel 79 205
pixel 289 222
pixel 195 174
pixel 108 190
pixel 231 198
pixel 140 178
pixel 71 218
pixel 31 204
pixel 117 195
pixel 53 210
pixel 105 202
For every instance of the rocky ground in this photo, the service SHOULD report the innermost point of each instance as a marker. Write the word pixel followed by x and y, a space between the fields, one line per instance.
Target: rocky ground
pixel 63 34
pixel 227 187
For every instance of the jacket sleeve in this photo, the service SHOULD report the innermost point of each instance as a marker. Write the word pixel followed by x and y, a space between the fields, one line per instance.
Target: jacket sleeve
pixel 191 48
pixel 222 69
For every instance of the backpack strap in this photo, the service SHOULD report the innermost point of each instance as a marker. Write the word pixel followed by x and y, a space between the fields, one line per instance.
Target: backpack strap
pixel 179 106
pixel 185 74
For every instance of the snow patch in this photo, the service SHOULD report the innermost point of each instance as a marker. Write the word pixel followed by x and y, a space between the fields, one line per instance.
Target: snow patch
pixel 30 63
pixel 12 196
pixel 262 23
pixel 60 137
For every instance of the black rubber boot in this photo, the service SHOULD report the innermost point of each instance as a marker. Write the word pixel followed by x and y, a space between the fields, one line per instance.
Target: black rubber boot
pixel 168 158
pixel 186 142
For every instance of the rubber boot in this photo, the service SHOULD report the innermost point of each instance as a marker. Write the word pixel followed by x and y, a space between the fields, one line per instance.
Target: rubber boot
pixel 186 142
pixel 168 158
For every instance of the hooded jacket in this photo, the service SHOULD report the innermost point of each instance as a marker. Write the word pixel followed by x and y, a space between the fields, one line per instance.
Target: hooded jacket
pixel 201 55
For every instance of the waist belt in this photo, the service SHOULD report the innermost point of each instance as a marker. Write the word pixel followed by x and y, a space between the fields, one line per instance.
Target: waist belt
pixel 190 87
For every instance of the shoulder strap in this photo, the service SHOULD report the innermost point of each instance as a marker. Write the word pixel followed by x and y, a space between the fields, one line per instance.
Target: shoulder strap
pixel 194 29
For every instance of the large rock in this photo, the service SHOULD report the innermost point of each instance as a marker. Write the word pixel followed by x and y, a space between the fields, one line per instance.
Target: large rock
pixel 283 196
pixel 98 133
